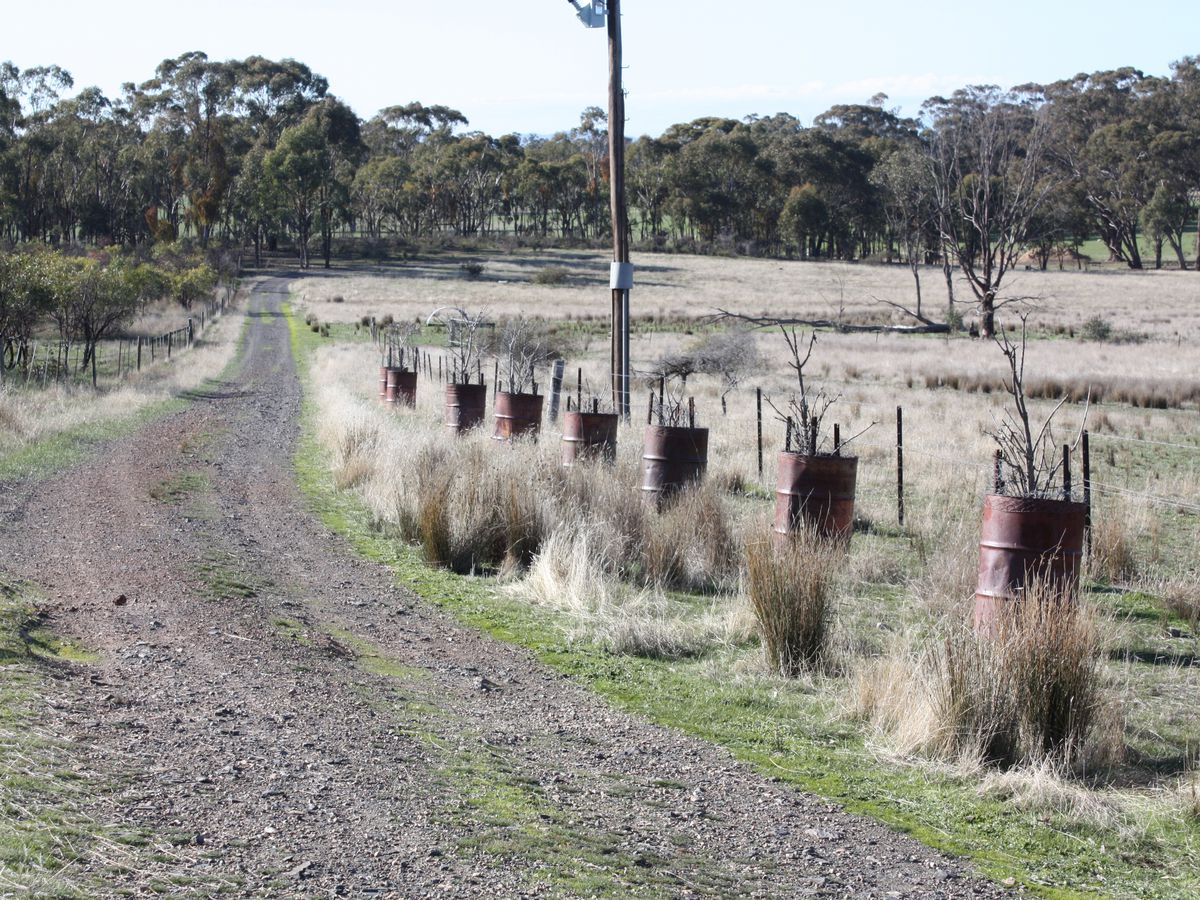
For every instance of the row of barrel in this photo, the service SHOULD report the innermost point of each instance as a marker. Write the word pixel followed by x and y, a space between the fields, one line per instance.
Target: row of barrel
pixel 1022 539
pixel 815 491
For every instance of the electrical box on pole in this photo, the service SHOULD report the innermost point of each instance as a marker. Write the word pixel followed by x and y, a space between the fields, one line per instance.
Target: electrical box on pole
pixel 593 15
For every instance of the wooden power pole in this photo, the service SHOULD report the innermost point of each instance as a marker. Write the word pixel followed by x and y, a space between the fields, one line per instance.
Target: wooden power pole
pixel 621 278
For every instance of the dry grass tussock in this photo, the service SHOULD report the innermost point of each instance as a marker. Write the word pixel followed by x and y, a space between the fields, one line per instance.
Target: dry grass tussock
pixel 1032 692
pixel 791 585
pixel 30 415
pixel 571 574
pixel 1115 527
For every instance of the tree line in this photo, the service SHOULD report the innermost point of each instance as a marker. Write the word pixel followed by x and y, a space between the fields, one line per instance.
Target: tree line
pixel 251 153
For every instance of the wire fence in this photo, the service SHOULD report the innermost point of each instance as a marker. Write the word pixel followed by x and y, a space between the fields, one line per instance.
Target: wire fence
pixel 54 361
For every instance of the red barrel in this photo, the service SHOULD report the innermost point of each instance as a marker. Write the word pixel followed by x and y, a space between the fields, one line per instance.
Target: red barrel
pixel 588 436
pixel 401 387
pixel 383 373
pixel 672 457
pixel 465 406
pixel 1023 540
pixel 815 492
pixel 517 415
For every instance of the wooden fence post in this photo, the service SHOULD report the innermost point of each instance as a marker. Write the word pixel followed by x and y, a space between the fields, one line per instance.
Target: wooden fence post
pixel 556 381
pixel 1087 495
pixel 1066 469
pixel 758 402
pixel 900 465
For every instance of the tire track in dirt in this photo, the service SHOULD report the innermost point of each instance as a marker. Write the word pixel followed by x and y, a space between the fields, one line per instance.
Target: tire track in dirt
pixel 280 719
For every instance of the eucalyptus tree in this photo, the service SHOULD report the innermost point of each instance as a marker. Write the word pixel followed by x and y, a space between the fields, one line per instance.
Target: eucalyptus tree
pixel 988 153
pixel 31 95
pixel 648 181
pixel 312 167
pixel 1103 124
pixel 909 205
pixel 275 95
pixel 191 101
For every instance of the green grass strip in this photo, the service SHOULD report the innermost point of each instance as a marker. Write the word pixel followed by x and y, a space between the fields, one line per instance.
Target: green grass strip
pixel 784 732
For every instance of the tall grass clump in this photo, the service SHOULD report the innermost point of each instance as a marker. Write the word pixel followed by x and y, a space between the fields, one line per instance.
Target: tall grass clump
pixel 574 573
pixel 1028 692
pixel 791 588
pixel 1113 559
pixel 692 543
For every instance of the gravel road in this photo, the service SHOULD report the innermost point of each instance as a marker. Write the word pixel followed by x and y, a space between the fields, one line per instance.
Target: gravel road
pixel 281 720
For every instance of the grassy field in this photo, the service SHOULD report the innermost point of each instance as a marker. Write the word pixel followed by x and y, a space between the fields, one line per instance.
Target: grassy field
pixel 682 647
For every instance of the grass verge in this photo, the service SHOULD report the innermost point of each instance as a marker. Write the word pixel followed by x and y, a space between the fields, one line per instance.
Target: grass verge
pixel 788 730
pixel 44 828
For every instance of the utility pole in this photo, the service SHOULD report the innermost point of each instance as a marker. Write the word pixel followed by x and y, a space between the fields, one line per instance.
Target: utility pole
pixel 621 276
pixel 597 14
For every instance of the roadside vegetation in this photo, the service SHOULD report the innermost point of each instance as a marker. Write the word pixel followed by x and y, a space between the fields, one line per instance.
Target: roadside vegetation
pixel 660 614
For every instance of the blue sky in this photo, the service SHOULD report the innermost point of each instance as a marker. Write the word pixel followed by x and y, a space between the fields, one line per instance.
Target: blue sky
pixel 528 66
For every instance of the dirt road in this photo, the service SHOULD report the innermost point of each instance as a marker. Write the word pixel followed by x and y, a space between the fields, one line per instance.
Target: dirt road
pixel 279 719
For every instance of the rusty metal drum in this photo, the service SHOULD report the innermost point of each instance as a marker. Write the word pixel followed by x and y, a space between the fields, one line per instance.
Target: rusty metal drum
pixel 815 492
pixel 672 457
pixel 383 373
pixel 517 415
pixel 588 436
pixel 401 387
pixel 465 406
pixel 1022 540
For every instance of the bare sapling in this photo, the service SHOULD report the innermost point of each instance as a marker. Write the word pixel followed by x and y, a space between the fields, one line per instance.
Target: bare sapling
pixel 1028 461
pixel 521 349
pixel 398 347
pixel 804 412
pixel 586 400
pixel 466 338
pixel 670 406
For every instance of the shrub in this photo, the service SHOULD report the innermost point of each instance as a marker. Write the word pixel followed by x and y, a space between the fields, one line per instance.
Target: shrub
pixel 553 275
pixel 338 298
pixel 790 584
pixel 1096 328
pixel 472 269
